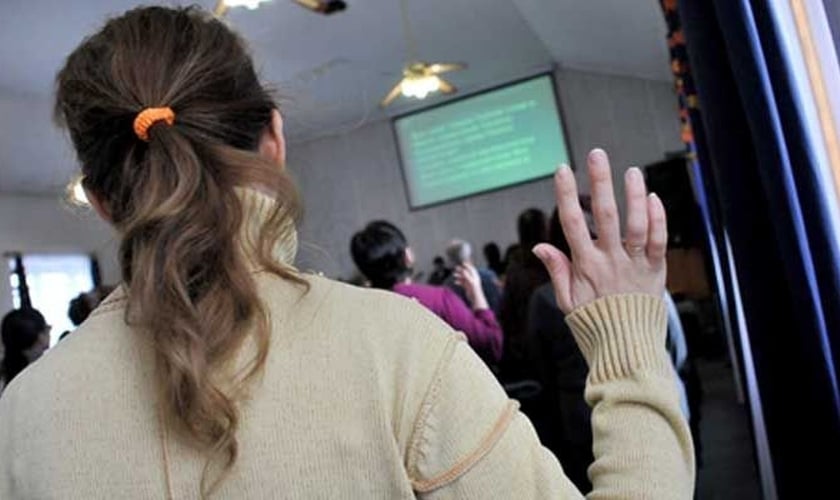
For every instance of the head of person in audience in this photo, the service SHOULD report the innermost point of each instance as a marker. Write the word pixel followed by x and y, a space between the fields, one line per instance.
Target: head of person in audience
pixel 382 254
pixel 26 335
pixel 513 255
pixel 459 253
pixel 493 256
pixel 182 150
pixel 82 305
pixel 532 228
pixel 438 263
pixel 79 309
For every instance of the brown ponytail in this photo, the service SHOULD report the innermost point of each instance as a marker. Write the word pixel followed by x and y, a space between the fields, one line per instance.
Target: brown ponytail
pixel 175 203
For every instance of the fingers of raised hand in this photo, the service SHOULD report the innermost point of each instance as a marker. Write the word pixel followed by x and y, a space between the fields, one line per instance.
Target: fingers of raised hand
pixel 560 270
pixel 637 213
pixel 657 231
pixel 604 209
pixel 570 213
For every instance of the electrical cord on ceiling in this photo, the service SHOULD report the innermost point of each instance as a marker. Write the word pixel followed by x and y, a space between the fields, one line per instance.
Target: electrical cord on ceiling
pixel 411 46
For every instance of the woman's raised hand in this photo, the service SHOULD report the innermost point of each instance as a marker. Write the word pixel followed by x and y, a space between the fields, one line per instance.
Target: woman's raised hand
pixel 608 265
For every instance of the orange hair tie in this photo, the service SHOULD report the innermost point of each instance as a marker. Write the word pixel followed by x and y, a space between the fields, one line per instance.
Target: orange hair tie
pixel 149 117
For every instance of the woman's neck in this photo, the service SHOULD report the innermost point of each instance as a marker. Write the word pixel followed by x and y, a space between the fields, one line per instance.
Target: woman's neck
pixel 258 207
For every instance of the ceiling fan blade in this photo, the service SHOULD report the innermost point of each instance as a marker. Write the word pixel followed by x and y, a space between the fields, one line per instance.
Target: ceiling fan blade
pixel 393 94
pixel 439 68
pixel 446 87
pixel 322 6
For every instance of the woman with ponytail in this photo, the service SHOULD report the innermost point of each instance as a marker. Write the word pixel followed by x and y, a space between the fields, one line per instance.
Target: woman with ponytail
pixel 26 336
pixel 219 370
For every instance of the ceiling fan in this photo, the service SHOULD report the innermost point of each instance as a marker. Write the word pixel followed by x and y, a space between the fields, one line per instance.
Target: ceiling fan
pixel 420 78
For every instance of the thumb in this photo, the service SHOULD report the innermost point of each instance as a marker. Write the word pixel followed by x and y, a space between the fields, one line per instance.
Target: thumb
pixel 560 270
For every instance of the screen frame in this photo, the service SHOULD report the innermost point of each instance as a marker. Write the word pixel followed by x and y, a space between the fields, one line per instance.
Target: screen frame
pixel 551 74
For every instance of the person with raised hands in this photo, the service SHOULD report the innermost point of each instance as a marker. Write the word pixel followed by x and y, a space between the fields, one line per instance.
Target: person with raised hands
pixel 219 370
pixel 611 290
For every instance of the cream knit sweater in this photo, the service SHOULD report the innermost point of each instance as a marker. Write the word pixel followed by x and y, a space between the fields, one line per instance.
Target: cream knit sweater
pixel 365 395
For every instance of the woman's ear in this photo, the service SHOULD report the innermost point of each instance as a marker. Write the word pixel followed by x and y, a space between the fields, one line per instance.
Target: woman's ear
pixel 100 206
pixel 409 258
pixel 272 142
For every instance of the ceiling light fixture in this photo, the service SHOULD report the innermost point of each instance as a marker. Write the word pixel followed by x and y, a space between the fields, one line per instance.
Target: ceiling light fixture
pixel 222 6
pixel 419 78
pixel 420 87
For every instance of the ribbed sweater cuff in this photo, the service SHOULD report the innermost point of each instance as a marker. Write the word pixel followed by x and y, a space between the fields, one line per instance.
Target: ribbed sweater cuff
pixel 621 335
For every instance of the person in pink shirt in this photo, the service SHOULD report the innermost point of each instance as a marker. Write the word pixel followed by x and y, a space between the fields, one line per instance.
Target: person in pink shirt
pixel 382 254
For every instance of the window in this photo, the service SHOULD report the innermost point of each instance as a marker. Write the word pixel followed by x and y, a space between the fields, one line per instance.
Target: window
pixel 49 282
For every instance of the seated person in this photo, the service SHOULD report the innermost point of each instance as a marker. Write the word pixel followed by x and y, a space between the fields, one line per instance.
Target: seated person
pixel 382 254
pixel 26 336
pixel 459 253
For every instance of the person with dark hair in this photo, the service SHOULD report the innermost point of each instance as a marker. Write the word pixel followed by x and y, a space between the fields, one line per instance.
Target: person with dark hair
pixel 524 274
pixel 220 370
pixel 78 310
pixel 83 304
pixel 513 256
pixel 493 256
pixel 459 253
pixel 531 227
pixel 563 419
pixel 382 254
pixel 26 335
pixel 440 272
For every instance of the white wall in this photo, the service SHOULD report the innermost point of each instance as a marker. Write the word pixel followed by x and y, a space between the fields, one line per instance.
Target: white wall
pixel 351 179
pixel 47 225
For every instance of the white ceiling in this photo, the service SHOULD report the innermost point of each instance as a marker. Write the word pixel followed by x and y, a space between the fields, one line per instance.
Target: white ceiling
pixel 330 71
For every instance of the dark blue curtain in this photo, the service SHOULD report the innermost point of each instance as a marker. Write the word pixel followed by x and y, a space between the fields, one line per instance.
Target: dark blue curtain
pixel 757 158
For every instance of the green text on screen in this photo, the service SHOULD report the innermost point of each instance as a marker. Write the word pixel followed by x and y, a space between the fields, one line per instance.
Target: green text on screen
pixel 496 139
